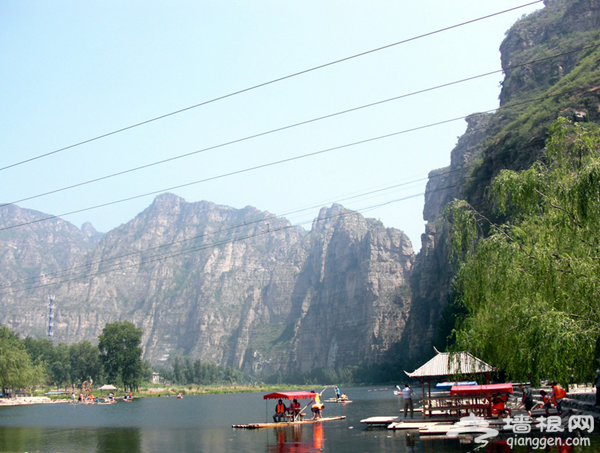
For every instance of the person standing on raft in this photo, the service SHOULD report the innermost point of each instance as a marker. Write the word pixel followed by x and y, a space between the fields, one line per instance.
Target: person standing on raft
pixel 317 407
pixel 407 393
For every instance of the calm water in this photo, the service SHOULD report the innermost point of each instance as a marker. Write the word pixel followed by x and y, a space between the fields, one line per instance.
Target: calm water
pixel 203 424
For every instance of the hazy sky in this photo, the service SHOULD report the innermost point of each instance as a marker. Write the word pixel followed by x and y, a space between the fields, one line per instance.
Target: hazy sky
pixel 74 70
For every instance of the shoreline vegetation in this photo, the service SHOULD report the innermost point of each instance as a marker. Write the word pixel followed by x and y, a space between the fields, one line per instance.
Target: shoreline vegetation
pixel 152 391
pixel 577 392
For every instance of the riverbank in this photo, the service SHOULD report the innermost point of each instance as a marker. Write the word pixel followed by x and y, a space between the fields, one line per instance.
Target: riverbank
pixel 25 400
pixel 155 390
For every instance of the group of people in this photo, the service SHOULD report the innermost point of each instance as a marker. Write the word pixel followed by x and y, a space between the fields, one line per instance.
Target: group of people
pixel 281 410
pixel 316 407
pixel 339 395
pixel 555 398
pixel 499 400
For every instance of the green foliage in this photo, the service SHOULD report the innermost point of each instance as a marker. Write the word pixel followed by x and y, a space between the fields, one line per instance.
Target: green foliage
pixel 531 287
pixel 199 372
pixel 85 362
pixel 64 364
pixel 452 314
pixel 16 368
pixel 121 354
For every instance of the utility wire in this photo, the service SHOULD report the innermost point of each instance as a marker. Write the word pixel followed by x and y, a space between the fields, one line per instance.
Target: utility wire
pixel 315 68
pixel 161 257
pixel 270 164
pixel 272 131
pixel 214 233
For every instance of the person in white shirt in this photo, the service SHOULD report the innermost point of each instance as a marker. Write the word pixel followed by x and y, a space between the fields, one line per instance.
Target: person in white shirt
pixel 407 393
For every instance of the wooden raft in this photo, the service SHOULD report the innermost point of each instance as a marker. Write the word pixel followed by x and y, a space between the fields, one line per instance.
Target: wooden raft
pixel 284 424
pixel 337 400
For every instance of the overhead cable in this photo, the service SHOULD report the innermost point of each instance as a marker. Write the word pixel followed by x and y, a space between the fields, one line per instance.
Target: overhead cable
pixel 261 134
pixel 290 159
pixel 216 232
pixel 161 257
pixel 315 68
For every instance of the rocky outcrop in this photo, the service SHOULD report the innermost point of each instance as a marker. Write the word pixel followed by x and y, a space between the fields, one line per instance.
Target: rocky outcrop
pixel 238 287
pixel 546 33
pixel 511 138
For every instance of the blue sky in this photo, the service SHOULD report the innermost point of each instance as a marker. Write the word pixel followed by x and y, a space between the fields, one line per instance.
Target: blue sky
pixel 74 70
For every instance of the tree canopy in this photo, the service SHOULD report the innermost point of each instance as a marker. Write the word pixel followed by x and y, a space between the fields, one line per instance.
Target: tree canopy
pixel 16 368
pixel 531 286
pixel 121 353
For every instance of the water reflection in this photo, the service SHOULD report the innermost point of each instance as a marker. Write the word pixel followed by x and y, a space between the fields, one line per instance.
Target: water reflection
pixel 71 440
pixel 203 424
pixel 126 439
pixel 298 439
pixel 409 442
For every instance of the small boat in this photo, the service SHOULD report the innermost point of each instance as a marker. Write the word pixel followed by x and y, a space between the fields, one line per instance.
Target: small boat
pixel 291 420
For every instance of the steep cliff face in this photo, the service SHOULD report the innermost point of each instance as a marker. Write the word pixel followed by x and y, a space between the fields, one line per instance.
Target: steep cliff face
pixel 33 254
pixel 237 287
pixel 511 138
pixel 352 296
pixel 432 274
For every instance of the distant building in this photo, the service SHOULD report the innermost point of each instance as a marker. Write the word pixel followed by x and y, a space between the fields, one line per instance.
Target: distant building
pixel 157 378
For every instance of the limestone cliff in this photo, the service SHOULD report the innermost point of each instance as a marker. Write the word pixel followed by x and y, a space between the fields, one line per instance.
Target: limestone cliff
pixel 237 287
pixel 532 97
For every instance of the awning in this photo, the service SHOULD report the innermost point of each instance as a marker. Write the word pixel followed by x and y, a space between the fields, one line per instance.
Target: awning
pixel 481 389
pixel 289 395
pixel 107 387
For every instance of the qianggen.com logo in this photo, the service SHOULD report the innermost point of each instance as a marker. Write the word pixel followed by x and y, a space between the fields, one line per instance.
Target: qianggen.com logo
pixel 521 424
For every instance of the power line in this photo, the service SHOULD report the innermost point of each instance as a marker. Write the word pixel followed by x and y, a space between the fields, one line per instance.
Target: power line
pixel 214 233
pixel 315 68
pixel 160 257
pixel 302 123
pixel 270 164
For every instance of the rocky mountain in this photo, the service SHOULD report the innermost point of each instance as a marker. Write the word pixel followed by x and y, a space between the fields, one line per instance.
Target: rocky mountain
pixel 243 288
pixel 236 287
pixel 562 42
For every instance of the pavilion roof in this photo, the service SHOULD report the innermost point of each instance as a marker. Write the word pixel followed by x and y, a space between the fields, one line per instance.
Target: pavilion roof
pixel 451 364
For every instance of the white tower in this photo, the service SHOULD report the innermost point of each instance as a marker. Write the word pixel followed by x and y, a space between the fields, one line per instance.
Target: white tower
pixel 50 317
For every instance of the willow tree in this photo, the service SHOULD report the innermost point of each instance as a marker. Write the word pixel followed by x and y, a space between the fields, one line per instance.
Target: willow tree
pixel 16 369
pixel 531 286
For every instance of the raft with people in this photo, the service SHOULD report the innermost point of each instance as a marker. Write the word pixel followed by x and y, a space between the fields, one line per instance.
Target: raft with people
pixel 339 397
pixel 294 413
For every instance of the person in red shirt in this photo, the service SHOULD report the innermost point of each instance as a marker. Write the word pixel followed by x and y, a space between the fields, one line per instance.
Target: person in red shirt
pixel 295 408
pixel 547 401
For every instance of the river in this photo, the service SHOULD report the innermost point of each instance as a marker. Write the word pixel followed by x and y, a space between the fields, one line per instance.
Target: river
pixel 202 423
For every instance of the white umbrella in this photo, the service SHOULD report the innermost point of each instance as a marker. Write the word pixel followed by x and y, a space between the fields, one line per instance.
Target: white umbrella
pixel 107 387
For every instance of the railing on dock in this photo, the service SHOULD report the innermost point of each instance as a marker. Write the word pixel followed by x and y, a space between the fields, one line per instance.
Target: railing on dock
pixel 457 405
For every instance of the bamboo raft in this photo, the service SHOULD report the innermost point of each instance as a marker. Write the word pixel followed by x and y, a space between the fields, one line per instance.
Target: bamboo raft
pixel 290 423
pixel 337 400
